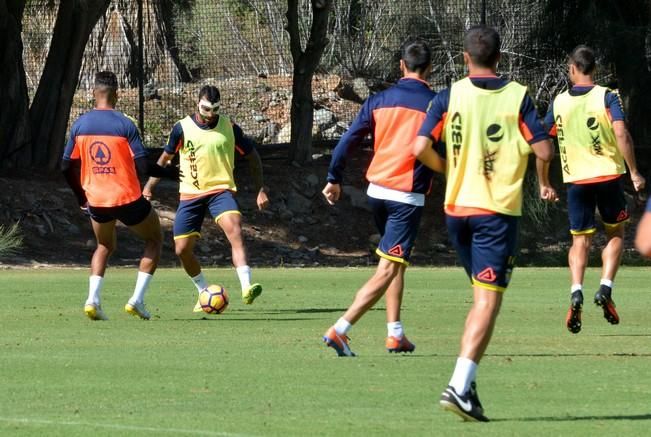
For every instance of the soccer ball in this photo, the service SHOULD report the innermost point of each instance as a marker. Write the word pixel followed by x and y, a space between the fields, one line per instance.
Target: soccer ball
pixel 213 299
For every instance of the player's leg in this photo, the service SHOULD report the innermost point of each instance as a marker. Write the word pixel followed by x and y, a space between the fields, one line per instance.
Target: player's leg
pixel 143 220
pixel 614 213
pixel 398 238
pixel 104 229
pixel 581 208
pixel 225 210
pixel 493 249
pixel 187 229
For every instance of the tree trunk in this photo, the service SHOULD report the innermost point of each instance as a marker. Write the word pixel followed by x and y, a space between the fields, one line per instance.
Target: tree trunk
pixel 14 115
pixel 51 105
pixel 305 63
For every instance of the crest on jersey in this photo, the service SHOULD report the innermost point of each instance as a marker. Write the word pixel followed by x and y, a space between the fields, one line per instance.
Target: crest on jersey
pixel 100 153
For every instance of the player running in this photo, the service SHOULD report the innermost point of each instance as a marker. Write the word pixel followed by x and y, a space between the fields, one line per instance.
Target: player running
pixel 489 126
pixel 101 163
pixel 206 142
pixel 593 140
pixel 396 191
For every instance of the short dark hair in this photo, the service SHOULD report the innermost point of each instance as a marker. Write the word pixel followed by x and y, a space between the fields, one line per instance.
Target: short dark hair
pixel 106 80
pixel 482 43
pixel 417 55
pixel 210 92
pixel 583 58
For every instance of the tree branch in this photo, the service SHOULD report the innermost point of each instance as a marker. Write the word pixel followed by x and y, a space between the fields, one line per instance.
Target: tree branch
pixel 292 29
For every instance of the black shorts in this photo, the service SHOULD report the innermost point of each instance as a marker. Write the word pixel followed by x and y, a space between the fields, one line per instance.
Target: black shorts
pixel 130 214
pixel 607 196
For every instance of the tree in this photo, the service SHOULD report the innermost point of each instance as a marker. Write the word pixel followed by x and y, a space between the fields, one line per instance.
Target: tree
pixel 305 63
pixel 51 105
pixel 14 117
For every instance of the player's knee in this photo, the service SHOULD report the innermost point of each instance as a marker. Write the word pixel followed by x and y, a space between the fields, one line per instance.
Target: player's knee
pixel 387 270
pixel 106 248
pixel 582 241
pixel 182 248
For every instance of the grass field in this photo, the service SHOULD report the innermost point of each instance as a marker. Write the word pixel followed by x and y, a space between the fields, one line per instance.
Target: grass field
pixel 262 370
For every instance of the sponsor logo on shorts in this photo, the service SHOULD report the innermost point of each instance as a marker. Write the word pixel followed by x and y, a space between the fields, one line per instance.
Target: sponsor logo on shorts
pixel 487 275
pixel 623 215
pixel 396 251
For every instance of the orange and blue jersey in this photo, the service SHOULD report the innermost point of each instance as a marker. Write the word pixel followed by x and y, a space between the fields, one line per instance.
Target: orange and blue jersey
pixel 392 118
pixel 107 143
pixel 529 126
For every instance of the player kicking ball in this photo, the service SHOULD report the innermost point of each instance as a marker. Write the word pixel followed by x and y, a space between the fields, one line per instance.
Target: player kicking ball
pixel 396 192
pixel 489 127
pixel 594 143
pixel 101 163
pixel 207 142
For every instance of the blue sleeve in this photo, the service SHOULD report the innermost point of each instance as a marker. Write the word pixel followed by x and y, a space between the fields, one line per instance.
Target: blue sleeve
pixel 70 145
pixel 614 106
pixel 432 126
pixel 648 205
pixel 133 137
pixel 531 126
pixel 175 139
pixel 549 122
pixel 243 145
pixel 359 129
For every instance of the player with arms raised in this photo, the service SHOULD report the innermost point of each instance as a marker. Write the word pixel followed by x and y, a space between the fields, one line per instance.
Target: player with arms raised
pixel 489 127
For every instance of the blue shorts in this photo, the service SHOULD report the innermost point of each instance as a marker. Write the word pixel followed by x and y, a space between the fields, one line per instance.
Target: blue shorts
pixel 190 213
pixel 130 214
pixel 486 246
pixel 582 199
pixel 398 225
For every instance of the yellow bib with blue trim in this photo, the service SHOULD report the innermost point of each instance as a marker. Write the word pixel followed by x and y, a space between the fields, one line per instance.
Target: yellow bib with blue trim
pixel 207 157
pixel 586 139
pixel 486 153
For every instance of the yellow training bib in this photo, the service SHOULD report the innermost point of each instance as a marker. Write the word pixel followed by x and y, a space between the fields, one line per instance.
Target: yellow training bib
pixel 207 157
pixel 486 153
pixel 586 138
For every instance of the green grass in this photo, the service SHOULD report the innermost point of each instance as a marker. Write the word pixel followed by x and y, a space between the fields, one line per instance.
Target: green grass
pixel 262 370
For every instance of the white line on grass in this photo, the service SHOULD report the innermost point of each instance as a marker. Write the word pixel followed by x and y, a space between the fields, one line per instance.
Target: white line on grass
pixel 119 427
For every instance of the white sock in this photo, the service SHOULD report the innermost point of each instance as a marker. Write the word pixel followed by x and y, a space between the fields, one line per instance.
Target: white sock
pixel 244 274
pixel 395 329
pixel 464 373
pixel 576 287
pixel 342 326
pixel 141 287
pixel 94 289
pixel 607 282
pixel 199 281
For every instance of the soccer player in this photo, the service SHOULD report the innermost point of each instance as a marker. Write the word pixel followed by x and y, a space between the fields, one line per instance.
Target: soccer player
pixel 594 142
pixel 207 142
pixel 396 191
pixel 101 162
pixel 643 236
pixel 488 126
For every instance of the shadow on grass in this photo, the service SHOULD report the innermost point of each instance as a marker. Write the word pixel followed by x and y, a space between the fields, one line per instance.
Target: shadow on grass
pixel 575 418
pixel 305 311
pixel 248 319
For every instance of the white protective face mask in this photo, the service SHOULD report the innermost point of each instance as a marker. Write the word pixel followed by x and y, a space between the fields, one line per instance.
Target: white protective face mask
pixel 207 109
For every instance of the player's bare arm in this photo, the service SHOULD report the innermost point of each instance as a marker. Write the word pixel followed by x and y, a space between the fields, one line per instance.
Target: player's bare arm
pixel 544 151
pixel 332 192
pixel 423 151
pixel 625 145
pixel 163 161
pixel 255 167
pixel 643 236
